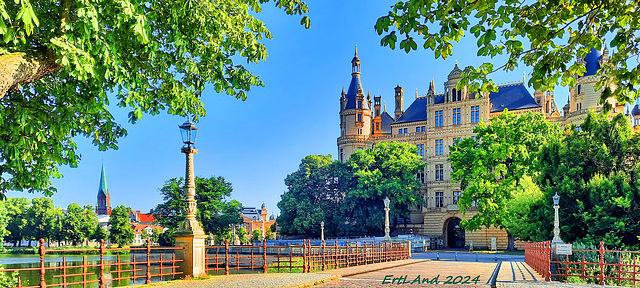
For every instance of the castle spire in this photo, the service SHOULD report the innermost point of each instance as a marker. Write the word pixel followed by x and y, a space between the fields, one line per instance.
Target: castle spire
pixel 104 200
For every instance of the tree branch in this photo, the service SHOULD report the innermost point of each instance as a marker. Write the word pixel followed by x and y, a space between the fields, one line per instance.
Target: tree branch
pixel 22 68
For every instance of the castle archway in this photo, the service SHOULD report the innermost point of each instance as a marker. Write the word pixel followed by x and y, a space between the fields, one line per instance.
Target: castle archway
pixel 453 233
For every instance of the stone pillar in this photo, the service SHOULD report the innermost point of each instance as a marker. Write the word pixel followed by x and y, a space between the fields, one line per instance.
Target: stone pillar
pixel 190 234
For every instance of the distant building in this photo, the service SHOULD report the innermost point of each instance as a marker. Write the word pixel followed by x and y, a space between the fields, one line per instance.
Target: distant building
pixel 253 219
pixel 140 222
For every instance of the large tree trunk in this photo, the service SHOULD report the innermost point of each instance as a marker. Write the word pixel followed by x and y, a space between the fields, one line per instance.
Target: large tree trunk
pixel 21 68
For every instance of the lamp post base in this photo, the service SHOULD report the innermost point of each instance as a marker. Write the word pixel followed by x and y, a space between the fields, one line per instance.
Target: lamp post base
pixel 190 236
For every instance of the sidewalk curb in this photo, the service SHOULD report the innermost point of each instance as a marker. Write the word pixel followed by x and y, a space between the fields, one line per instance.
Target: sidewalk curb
pixel 325 280
pixel 384 268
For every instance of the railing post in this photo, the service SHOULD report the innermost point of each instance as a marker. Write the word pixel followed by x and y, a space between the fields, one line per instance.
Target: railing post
pixel 602 262
pixel 304 256
pixel 365 253
pixel 348 253
pixel 42 269
pixel 357 254
pixel 226 256
pixel 84 270
pixel 264 256
pixel 335 254
pixel 148 278
pixel 102 277
pixel 323 256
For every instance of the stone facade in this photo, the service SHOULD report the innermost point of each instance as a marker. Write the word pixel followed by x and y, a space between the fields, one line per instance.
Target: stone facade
pixel 253 219
pixel 435 121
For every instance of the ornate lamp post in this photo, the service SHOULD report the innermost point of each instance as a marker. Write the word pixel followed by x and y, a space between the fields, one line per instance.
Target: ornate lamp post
pixel 386 220
pixel 190 234
pixel 556 220
pixel 322 231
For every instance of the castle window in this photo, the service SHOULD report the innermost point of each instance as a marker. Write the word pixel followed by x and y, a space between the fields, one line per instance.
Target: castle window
pixel 420 150
pixel 422 128
pixel 456 196
pixel 359 117
pixel 439 147
pixel 417 129
pixel 579 89
pixel 453 95
pixel 438 118
pixel 456 140
pixel 420 176
pixel 439 199
pixel 405 130
pixel 377 126
pixel 456 116
pixel 359 148
pixel 359 104
pixel 439 172
pixel 459 95
pixel 475 114
pixel 400 131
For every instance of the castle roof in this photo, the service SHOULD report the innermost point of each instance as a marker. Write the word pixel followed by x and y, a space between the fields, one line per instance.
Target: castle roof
pixel 417 111
pixel 512 97
pixel 592 62
pixel 386 122
pixel 354 86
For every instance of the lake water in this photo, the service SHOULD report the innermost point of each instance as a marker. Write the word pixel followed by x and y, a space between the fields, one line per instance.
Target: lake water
pixel 30 278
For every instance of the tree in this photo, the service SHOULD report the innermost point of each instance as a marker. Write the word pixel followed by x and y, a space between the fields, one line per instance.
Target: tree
pixel 166 238
pixel 120 230
pixel 73 224
pixel 242 235
pixel 269 235
pixel 493 168
pixel 60 60
pixel 316 188
pixel 40 219
pixel 256 235
pixel 4 221
pixel 16 209
pixel 155 235
pixel 388 170
pixel 594 169
pixel 99 234
pixel 90 222
pixel 214 213
pixel 545 35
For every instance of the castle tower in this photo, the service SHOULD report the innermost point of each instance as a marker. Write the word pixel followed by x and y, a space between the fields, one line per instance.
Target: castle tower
pixel 452 93
pixel 355 115
pixel 377 119
pixel 547 101
pixel 104 201
pixel 263 212
pixel 399 101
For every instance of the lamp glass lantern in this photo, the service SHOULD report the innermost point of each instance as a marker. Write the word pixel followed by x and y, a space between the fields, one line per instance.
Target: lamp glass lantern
pixel 322 224
pixel 188 131
pixel 386 202
pixel 556 199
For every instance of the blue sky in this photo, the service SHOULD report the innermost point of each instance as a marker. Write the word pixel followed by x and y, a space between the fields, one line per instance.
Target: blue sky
pixel 255 144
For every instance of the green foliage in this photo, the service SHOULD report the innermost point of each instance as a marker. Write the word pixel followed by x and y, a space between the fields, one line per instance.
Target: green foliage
pixel 492 168
pixel 4 221
pixel 242 235
pixel 215 214
pixel 226 235
pixel 147 56
pixel 314 190
pixel 41 217
pixel 73 224
pixel 256 235
pixel 120 230
pixel 269 235
pixel 348 197
pixel 10 280
pixel 594 170
pixel 546 35
pixel 16 211
pixel 166 238
pixel 99 234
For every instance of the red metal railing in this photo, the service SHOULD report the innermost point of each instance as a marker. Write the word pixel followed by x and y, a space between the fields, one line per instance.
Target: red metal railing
pixel 599 266
pixel 301 258
pixel 119 270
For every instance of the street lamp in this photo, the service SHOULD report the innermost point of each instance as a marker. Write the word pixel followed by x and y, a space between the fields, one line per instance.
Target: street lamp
pixel 556 220
pixel 386 219
pixel 322 231
pixel 190 234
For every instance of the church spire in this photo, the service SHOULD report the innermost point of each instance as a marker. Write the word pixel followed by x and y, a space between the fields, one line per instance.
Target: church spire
pixel 104 201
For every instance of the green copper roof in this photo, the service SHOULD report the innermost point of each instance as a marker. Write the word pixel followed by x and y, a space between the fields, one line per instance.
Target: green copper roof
pixel 103 183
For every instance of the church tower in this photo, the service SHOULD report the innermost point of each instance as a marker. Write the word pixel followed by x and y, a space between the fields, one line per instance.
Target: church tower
pixel 355 115
pixel 104 201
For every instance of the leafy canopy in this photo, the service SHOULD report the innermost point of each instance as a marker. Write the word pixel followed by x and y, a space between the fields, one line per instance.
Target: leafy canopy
pixel 497 165
pixel 63 62
pixel 546 35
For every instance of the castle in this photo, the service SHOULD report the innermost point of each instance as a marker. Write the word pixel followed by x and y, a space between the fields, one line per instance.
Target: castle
pixel 436 120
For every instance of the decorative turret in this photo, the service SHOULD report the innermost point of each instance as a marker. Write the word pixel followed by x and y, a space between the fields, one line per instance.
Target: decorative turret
pixel 377 119
pixel 452 93
pixel 355 63
pixel 104 200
